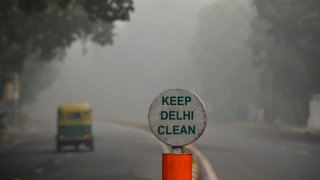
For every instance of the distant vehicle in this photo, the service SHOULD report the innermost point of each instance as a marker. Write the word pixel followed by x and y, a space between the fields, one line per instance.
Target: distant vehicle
pixel 74 126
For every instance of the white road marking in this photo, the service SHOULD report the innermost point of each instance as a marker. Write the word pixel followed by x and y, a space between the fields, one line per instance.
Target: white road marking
pixel 164 147
pixel 39 170
pixel 205 163
pixel 16 179
pixel 211 175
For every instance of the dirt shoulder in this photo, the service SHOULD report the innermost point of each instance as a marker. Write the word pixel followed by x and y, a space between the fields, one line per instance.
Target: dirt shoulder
pixel 13 136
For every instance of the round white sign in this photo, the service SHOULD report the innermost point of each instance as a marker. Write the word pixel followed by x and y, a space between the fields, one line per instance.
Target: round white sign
pixel 177 117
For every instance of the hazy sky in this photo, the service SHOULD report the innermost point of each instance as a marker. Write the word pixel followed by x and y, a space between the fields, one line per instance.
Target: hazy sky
pixel 151 53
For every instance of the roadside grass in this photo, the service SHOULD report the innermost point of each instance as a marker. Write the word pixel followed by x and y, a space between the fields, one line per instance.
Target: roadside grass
pixel 10 134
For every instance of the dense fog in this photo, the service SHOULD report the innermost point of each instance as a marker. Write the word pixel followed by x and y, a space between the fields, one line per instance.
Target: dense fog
pixel 151 53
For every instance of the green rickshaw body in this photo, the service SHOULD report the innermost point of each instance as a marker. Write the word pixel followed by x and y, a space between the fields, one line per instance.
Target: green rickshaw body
pixel 74 125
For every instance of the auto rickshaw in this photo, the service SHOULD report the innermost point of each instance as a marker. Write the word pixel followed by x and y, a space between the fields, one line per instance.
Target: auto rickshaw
pixel 74 126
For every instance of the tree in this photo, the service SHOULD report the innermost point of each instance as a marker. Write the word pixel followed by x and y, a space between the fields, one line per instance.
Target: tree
pixel 35 77
pixel 287 47
pixel 47 27
pixel 224 59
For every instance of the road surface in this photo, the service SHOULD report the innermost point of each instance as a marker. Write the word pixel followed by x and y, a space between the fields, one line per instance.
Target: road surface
pixel 121 153
pixel 238 153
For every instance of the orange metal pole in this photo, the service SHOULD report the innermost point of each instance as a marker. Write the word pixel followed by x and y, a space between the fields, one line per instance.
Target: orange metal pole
pixel 176 166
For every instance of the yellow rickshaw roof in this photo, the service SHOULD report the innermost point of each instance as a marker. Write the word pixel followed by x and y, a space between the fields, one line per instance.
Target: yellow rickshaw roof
pixel 72 107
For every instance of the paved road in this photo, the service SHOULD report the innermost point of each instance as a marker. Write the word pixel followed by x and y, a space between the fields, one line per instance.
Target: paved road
pixel 260 154
pixel 121 153
pixel 127 153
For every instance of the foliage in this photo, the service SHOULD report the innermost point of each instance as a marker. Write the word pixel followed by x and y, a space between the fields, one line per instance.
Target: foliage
pixel 47 27
pixel 287 47
pixel 224 59
pixel 35 77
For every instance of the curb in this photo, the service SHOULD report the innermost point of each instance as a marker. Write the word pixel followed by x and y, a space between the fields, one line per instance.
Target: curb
pixel 10 141
pixel 165 148
pixel 195 167
pixel 205 164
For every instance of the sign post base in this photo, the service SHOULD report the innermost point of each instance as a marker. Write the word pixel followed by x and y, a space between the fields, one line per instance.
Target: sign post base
pixel 176 166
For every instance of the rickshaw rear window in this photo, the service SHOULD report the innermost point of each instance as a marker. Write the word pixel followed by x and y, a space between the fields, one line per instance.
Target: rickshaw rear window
pixel 74 116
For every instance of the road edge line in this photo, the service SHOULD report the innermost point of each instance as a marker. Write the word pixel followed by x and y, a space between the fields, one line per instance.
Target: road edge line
pixel 205 163
pixel 203 160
